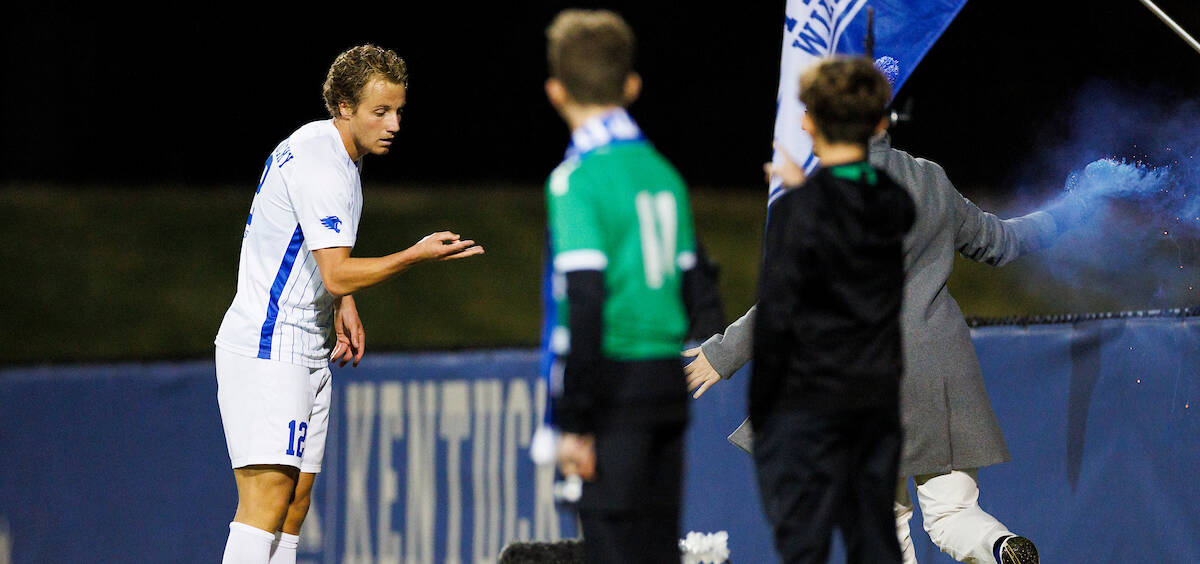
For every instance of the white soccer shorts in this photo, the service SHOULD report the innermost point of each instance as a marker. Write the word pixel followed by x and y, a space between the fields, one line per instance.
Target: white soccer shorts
pixel 273 412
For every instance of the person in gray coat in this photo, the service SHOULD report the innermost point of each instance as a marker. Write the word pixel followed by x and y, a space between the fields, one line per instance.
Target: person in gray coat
pixel 949 427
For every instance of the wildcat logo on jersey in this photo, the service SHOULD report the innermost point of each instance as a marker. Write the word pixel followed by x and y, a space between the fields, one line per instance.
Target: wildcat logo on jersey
pixel 333 223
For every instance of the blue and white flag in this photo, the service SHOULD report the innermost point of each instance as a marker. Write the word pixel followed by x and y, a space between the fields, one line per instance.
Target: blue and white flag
pixel 814 29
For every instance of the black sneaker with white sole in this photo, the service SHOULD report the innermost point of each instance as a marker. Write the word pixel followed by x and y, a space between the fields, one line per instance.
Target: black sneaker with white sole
pixel 1015 550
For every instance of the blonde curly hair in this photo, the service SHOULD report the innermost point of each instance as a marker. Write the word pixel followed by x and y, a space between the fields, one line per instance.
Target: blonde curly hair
pixel 354 68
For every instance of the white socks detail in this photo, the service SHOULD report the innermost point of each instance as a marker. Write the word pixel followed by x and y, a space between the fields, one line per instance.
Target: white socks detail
pixel 283 550
pixel 251 545
pixel 248 545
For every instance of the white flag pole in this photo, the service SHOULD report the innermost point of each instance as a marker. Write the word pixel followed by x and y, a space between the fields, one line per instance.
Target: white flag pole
pixel 1171 24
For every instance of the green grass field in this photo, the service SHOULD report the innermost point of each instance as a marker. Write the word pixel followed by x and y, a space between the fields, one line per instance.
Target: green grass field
pixel 106 274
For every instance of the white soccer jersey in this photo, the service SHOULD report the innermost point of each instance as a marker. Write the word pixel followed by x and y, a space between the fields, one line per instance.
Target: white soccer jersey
pixel 309 197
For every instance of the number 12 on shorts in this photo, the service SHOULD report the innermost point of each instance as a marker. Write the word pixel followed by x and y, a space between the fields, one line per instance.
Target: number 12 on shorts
pixel 296 444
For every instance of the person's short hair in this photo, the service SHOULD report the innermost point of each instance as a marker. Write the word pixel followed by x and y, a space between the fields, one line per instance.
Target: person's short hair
pixel 591 53
pixel 353 69
pixel 846 97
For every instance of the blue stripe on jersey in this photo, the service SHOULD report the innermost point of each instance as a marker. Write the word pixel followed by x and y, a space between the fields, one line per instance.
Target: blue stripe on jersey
pixel 549 320
pixel 281 278
pixel 266 169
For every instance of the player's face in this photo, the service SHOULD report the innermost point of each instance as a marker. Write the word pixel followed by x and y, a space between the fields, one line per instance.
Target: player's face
pixel 377 119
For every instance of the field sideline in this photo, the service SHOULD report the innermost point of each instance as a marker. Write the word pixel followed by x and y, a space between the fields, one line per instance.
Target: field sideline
pixel 104 274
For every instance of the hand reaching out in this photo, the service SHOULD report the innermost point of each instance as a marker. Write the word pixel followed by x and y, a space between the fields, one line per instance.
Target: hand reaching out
pixel 445 245
pixel 700 374
pixel 788 172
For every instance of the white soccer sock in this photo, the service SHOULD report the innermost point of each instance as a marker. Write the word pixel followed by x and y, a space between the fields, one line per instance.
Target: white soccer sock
pixel 283 550
pixel 247 545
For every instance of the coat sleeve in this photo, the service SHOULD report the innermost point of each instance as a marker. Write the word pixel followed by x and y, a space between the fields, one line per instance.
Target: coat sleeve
pixel 731 350
pixel 983 237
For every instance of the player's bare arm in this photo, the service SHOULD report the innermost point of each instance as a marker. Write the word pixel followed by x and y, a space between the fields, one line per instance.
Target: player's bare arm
pixel 344 275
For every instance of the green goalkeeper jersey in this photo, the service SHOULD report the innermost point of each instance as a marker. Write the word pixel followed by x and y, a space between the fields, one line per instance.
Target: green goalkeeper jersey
pixel 616 205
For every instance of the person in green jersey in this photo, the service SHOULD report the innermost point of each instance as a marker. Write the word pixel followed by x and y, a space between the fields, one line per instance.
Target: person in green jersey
pixel 623 252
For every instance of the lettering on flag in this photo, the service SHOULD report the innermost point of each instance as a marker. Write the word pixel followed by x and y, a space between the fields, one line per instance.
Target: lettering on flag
pixel 904 32
pixel 812 30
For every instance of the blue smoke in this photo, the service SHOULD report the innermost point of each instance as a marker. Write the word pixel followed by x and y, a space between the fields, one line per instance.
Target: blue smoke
pixel 1132 167
pixel 1158 191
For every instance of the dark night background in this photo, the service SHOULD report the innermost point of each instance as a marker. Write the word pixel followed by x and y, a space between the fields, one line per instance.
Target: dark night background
pixel 131 141
pixel 103 95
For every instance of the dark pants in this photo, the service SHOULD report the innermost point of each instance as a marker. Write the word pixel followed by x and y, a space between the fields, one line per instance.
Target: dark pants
pixel 817 469
pixel 630 511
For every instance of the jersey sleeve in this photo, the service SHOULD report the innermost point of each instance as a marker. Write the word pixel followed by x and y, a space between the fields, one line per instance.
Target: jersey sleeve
pixel 321 195
pixel 574 221
pixel 685 256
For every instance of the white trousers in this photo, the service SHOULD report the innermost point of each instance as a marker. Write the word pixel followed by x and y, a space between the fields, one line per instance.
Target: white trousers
pixel 953 519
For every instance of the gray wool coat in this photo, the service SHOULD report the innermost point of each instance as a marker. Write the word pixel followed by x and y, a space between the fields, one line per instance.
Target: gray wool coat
pixel 945 412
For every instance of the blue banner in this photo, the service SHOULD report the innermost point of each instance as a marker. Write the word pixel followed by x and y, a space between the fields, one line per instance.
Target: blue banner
pixel 428 456
pixel 904 32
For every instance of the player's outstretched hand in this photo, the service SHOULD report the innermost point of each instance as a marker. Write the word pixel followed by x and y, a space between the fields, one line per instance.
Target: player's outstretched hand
pixel 577 455
pixel 445 245
pixel 700 374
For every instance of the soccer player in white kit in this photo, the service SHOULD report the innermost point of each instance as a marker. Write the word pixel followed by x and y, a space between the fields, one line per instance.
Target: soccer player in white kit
pixel 294 311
